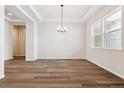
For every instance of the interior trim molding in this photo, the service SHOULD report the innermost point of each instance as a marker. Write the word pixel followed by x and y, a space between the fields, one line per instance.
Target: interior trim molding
pixel 6 59
pixel 11 20
pixel 59 58
pixel 35 12
pixel 65 20
pixel 115 73
pixel 31 59
pixel 24 12
pixel 91 11
pixel 1 77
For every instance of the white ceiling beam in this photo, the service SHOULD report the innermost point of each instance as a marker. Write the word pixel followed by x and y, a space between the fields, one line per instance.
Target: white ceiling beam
pixel 12 20
pixel 8 19
pixel 65 20
pixel 17 11
pixel 25 13
pixel 90 12
pixel 86 11
pixel 35 12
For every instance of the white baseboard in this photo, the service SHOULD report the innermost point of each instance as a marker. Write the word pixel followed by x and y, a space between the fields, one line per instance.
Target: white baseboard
pixel 8 58
pixel 60 58
pixel 1 77
pixel 119 75
pixel 31 59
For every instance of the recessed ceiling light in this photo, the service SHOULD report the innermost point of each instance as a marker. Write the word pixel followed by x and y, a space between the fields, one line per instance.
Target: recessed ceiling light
pixel 9 14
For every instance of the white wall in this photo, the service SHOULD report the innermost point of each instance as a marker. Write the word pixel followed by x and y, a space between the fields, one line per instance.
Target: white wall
pixel 1 42
pixel 35 40
pixel 112 60
pixel 14 41
pixel 30 42
pixel 8 41
pixel 55 45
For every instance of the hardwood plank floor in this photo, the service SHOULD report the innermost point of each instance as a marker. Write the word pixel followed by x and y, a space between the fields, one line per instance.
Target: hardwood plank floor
pixel 57 73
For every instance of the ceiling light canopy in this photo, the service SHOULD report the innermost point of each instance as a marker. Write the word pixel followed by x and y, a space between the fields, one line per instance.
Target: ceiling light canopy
pixel 62 28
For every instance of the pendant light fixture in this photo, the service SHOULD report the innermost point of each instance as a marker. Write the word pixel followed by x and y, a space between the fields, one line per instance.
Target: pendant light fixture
pixel 62 28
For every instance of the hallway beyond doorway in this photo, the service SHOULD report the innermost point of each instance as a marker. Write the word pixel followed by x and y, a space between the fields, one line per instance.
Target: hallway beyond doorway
pixel 18 57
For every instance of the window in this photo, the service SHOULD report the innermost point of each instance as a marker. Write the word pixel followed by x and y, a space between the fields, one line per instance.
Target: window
pixel 106 33
pixel 97 34
pixel 113 30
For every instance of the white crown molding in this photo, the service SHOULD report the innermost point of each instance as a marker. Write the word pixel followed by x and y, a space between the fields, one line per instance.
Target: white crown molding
pixel 85 13
pixel 15 22
pixel 25 13
pixel 18 23
pixel 8 19
pixel 65 20
pixel 90 12
pixel 56 20
pixel 35 12
pixel 12 20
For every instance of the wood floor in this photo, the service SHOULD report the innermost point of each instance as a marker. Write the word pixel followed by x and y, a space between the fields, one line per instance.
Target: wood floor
pixel 57 73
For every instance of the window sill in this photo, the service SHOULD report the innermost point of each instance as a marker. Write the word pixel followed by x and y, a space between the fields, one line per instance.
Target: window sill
pixel 107 48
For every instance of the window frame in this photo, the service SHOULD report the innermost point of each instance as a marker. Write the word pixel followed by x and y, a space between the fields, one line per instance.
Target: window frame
pixel 93 36
pixel 103 31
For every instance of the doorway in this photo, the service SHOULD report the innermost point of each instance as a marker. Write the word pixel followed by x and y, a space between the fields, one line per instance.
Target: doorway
pixel 19 42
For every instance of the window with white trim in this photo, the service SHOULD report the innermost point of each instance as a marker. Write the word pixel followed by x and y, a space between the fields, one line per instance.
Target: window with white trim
pixel 97 34
pixel 106 33
pixel 112 24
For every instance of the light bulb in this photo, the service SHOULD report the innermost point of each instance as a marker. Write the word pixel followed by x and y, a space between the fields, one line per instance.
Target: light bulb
pixel 61 29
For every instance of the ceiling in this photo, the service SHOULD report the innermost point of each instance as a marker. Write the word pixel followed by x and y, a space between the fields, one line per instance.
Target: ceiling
pixel 71 12
pixel 12 17
pixel 78 13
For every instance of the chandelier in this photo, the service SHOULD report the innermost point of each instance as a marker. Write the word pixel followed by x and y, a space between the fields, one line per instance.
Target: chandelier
pixel 62 28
